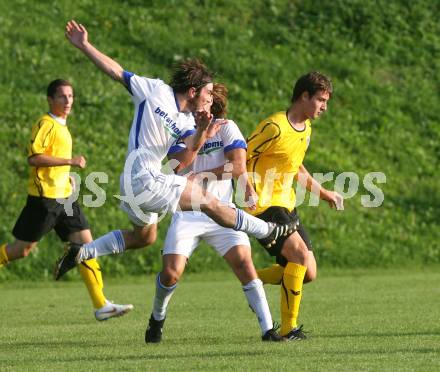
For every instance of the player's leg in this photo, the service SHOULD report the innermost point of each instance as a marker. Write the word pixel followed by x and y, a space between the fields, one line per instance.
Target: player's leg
pixel 274 273
pixel 14 251
pixel 166 283
pixel 114 242
pixel 312 270
pixel 235 248
pixel 295 251
pixel 194 197
pixel 91 274
pixel 75 229
pixel 181 240
pixel 291 252
pixel 89 270
pixel 140 236
pixel 118 241
pixel 173 266
pixel 36 219
pixel 271 275
pixel 240 261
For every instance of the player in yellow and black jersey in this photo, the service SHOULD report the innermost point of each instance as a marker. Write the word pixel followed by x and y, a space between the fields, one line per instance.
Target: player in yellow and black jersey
pixel 50 159
pixel 276 151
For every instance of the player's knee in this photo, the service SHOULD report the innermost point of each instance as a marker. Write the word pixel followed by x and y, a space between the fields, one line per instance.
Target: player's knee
pixel 295 252
pixel 310 276
pixel 244 262
pixel 169 276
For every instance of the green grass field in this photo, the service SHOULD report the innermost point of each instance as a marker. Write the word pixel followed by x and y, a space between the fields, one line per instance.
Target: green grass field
pixel 358 320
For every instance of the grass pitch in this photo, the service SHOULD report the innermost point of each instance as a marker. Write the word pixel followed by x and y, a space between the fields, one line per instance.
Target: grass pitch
pixel 358 320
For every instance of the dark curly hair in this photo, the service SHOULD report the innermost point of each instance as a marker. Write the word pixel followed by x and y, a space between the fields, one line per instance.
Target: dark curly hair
pixel 190 73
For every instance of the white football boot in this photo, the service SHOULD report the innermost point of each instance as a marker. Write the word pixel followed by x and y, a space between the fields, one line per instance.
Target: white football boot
pixel 111 310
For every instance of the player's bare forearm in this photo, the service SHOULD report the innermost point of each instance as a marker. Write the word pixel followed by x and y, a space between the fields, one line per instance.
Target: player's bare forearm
pixel 104 63
pixel 334 199
pixel 78 37
pixel 195 142
pixel 43 160
pixel 184 158
pixel 234 168
pixel 305 179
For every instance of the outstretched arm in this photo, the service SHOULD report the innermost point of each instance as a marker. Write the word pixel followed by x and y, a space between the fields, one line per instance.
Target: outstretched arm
pixel 78 36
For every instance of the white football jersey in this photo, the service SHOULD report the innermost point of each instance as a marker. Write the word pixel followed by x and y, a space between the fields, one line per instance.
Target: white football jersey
pixel 212 155
pixel 157 122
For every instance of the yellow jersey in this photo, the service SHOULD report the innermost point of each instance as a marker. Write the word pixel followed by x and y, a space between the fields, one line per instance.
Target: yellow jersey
pixel 50 137
pixel 275 152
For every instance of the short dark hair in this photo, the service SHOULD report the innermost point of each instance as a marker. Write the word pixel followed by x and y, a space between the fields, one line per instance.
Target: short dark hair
pixel 190 73
pixel 219 106
pixel 311 83
pixel 53 86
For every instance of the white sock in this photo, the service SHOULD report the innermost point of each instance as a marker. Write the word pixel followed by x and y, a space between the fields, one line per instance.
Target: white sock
pixel 161 299
pixel 251 225
pixel 256 297
pixel 110 243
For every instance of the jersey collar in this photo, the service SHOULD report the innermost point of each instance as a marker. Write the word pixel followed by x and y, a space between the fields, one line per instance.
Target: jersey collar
pixel 58 119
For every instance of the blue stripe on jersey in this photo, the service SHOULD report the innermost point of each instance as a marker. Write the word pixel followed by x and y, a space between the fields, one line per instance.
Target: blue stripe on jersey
pixel 126 76
pixel 237 144
pixel 138 122
pixel 188 133
pixel 177 102
pixel 176 148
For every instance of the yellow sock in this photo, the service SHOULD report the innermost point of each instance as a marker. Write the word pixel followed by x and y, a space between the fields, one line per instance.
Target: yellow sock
pixel 271 275
pixel 291 293
pixel 92 277
pixel 3 255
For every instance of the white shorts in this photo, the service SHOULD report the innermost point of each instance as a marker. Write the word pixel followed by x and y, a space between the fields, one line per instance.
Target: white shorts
pixel 188 228
pixel 150 196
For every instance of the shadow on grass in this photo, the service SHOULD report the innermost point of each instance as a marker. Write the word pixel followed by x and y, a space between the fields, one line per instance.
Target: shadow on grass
pixel 382 334
pixel 145 354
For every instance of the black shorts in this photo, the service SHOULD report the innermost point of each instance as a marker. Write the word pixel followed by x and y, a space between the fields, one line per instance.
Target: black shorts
pixel 282 215
pixel 40 215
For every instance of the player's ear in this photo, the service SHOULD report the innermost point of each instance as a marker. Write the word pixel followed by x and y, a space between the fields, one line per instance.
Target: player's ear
pixel 305 96
pixel 192 92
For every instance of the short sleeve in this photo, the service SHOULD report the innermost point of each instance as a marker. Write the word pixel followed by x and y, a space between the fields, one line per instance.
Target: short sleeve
pixel 42 137
pixel 177 147
pixel 138 86
pixel 232 137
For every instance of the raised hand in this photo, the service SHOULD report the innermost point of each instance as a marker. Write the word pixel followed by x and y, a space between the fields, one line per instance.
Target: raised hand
pixel 76 34
pixel 202 119
pixel 214 127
